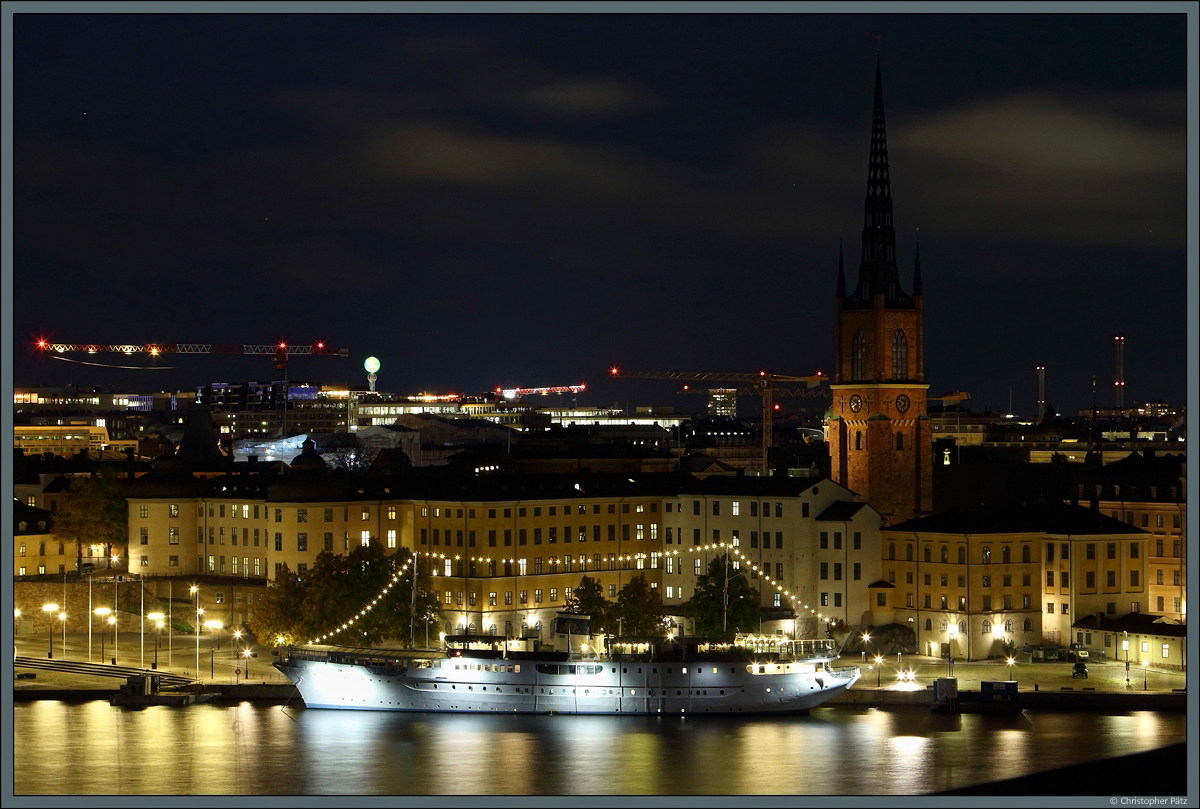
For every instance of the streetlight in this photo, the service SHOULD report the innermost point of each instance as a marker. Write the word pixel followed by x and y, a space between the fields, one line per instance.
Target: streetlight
pixel 157 618
pixel 62 617
pixel 950 633
pixel 1010 665
pixel 112 619
pixel 1125 646
pixel 199 615
pixel 49 608
pixel 1145 670
pixel 866 636
pixel 212 649
pixel 237 638
pixel 102 612
pixel 878 668
pixel 16 621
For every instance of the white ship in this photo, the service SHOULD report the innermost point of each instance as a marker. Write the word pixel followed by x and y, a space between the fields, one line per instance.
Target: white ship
pixel 783 677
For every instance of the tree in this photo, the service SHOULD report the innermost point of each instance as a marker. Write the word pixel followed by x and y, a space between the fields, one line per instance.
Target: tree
pixel 639 608
pixel 279 612
pixel 588 599
pixel 93 511
pixel 359 590
pixel 707 606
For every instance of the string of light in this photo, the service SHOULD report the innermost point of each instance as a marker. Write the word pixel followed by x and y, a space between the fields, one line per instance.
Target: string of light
pixel 628 557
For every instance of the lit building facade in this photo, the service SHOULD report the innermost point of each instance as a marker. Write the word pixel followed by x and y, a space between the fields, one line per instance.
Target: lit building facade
pixel 977 584
pixel 505 551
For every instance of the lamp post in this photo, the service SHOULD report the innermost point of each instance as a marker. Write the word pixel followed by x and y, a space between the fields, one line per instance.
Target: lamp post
pixel 157 618
pixel 199 615
pixel 16 622
pixel 237 637
pixel 246 657
pixel 62 619
pixel 878 669
pixel 950 649
pixel 48 609
pixel 213 626
pixel 1145 670
pixel 1010 665
pixel 866 636
pixel 102 612
pixel 1125 646
pixel 112 619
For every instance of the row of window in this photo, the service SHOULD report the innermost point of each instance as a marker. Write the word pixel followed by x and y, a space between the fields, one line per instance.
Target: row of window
pixel 1089 550
pixel 467 538
pixel 735 509
pixel 21 549
pixel 217 564
pixel 858 355
pixel 1089 579
pixel 858 440
pixel 837 571
pixel 735 537
pixel 522 567
pixel 837 540
pixel 1130 494
pixel 626 508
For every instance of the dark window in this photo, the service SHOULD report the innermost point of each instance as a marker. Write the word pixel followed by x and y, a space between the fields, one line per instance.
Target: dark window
pixel 899 358
pixel 858 355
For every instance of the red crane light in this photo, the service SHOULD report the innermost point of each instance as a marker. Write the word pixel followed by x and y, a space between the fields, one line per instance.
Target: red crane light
pixel 614 370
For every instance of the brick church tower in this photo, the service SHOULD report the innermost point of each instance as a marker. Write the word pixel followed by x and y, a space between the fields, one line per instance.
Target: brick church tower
pixel 880 440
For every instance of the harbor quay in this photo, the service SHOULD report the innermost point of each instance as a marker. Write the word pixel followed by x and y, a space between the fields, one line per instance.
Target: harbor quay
pixel 225 668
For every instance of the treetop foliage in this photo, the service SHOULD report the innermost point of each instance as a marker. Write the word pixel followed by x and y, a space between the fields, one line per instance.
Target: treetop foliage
pixel 300 607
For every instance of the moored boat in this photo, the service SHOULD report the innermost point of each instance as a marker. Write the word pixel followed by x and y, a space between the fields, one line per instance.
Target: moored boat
pixel 677 677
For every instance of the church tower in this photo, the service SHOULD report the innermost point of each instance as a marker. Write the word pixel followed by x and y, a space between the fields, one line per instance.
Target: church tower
pixel 880 439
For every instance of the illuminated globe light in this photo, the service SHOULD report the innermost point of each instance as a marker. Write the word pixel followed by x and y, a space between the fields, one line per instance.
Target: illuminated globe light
pixel 371 365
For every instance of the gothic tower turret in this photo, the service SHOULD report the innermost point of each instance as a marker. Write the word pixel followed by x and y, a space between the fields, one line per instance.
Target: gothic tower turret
pixel 880 441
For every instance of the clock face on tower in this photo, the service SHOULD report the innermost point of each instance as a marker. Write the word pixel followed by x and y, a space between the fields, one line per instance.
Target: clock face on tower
pixel 902 403
pixel 856 403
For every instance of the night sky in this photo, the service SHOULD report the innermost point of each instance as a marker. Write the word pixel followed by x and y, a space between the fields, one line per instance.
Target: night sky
pixel 484 200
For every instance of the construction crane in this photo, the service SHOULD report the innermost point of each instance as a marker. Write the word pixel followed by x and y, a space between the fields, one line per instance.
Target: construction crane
pixel 517 393
pixel 761 384
pixel 950 398
pixel 280 351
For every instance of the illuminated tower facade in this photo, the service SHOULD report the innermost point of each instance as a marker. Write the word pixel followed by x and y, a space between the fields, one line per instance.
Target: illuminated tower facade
pixel 880 439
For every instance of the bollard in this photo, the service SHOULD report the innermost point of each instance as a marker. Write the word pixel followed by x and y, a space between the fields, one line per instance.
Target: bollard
pixel 1035 686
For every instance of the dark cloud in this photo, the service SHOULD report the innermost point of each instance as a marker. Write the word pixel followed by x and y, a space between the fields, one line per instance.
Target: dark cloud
pixel 1053 168
pixel 554 194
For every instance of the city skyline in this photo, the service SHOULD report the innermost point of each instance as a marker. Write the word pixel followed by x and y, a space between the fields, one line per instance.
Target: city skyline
pixel 485 200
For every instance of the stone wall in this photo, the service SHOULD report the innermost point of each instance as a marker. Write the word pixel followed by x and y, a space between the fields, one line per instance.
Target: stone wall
pixel 72 598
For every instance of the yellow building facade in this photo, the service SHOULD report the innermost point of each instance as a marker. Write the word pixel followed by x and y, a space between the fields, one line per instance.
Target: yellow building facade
pixel 979 584
pixel 504 554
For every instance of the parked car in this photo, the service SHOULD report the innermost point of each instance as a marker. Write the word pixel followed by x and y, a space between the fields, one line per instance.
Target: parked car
pixel 1079 670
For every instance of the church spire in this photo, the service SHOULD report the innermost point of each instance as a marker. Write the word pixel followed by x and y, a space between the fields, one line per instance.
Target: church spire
pixel 878 273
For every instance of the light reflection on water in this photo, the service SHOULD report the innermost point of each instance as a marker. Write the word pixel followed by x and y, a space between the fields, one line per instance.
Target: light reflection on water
pixel 92 748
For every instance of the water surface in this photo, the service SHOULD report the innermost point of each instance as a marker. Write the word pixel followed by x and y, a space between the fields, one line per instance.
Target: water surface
pixel 836 750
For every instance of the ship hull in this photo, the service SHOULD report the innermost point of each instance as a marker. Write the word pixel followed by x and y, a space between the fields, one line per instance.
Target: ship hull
pixel 465 685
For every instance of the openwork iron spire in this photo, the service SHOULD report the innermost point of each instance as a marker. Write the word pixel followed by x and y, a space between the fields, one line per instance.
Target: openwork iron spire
pixel 878 273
